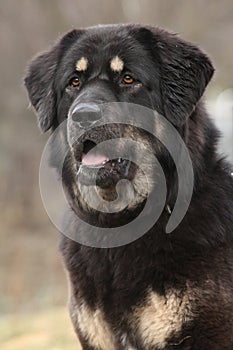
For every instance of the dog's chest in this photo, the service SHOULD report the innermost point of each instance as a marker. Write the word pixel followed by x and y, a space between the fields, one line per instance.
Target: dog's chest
pixel 151 324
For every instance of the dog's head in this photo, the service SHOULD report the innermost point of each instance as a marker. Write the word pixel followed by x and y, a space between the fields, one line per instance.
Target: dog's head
pixel 88 74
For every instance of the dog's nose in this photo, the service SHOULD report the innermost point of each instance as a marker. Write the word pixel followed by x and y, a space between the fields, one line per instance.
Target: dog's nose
pixel 86 114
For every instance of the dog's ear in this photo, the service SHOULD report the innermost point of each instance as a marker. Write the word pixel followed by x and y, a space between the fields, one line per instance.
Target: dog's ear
pixel 184 69
pixel 185 73
pixel 39 80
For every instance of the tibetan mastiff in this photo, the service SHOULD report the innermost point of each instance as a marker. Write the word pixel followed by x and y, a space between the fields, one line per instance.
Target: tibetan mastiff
pixel 162 290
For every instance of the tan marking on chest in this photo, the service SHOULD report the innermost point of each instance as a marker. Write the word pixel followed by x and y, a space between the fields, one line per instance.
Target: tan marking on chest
pixel 161 317
pixel 117 64
pixel 94 328
pixel 82 64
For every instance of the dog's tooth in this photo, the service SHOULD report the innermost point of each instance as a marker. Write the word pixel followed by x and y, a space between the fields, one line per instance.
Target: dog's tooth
pixel 105 161
pixel 119 160
pixel 113 163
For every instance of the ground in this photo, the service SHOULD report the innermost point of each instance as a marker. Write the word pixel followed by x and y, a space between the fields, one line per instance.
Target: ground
pixel 50 330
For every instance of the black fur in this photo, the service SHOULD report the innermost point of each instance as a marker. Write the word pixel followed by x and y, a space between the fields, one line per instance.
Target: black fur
pixel 196 259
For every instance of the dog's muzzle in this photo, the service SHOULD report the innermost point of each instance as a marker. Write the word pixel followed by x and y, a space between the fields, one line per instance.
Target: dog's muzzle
pixel 91 163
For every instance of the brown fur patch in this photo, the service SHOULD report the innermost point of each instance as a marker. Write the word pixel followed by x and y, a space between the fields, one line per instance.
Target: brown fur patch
pixel 93 327
pixel 82 64
pixel 161 317
pixel 117 64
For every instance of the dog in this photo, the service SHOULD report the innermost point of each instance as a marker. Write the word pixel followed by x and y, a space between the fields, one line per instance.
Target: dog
pixel 161 290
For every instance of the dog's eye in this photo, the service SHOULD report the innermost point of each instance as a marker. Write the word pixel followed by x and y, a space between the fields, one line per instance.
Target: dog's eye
pixel 127 79
pixel 75 82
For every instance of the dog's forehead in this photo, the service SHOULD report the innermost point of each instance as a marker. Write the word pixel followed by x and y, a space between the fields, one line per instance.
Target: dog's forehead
pixel 104 52
pixel 105 48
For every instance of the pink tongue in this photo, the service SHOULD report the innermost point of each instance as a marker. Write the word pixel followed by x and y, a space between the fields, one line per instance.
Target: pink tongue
pixel 93 159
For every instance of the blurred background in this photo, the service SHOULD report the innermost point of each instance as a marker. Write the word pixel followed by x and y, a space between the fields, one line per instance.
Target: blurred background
pixel 33 289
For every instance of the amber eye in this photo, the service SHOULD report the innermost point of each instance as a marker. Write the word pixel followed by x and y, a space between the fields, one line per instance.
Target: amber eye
pixel 127 79
pixel 75 82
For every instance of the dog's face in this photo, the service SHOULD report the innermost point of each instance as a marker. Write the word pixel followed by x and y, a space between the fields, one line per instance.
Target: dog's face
pixel 88 74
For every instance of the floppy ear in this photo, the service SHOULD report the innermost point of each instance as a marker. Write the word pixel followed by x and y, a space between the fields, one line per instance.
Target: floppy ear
pixel 184 71
pixel 39 80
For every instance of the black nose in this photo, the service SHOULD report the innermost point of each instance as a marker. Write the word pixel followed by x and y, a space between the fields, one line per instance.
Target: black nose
pixel 86 114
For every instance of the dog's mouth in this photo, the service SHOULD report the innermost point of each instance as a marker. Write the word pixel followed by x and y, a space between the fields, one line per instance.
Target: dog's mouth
pixel 96 168
pixel 92 158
